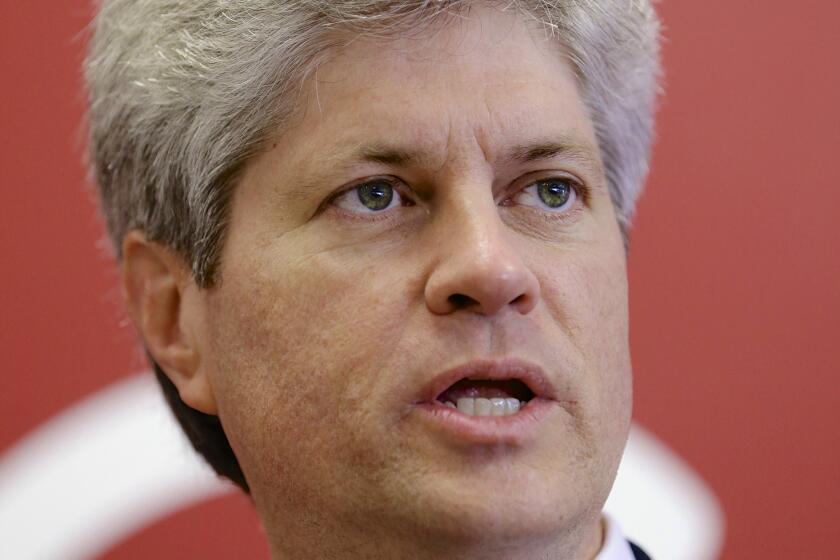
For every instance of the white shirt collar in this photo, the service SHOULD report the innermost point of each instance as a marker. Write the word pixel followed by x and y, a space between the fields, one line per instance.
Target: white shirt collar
pixel 615 545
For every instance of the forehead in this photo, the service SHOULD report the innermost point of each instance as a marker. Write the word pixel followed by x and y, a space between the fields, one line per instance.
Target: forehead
pixel 491 76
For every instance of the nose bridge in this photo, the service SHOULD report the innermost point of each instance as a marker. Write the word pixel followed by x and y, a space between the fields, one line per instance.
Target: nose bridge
pixel 477 233
pixel 478 268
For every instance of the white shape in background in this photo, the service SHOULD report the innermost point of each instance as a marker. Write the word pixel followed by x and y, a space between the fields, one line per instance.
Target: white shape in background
pixel 662 505
pixel 97 473
pixel 117 461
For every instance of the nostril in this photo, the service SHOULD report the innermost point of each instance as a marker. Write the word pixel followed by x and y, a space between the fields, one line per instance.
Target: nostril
pixel 460 300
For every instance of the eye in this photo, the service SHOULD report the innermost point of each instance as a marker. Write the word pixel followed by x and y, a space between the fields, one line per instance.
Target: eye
pixel 557 194
pixel 369 197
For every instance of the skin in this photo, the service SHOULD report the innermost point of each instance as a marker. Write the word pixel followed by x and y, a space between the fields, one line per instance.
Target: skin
pixel 329 319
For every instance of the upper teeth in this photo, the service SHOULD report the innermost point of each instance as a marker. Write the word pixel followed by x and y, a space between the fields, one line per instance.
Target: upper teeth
pixel 486 407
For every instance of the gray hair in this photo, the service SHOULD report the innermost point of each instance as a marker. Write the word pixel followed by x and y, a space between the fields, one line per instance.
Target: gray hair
pixel 183 92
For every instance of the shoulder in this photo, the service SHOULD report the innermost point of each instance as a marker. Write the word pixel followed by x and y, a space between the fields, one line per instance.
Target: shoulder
pixel 616 545
pixel 638 553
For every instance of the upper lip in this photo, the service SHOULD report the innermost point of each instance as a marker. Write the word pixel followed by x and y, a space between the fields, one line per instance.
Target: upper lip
pixel 529 373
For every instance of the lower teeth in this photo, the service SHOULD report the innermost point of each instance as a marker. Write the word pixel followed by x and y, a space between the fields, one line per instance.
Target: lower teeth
pixel 486 407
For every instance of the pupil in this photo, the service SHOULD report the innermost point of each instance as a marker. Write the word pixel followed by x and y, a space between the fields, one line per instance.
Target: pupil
pixel 554 193
pixel 376 196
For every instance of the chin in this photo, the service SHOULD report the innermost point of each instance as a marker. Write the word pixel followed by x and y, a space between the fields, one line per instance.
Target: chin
pixel 504 507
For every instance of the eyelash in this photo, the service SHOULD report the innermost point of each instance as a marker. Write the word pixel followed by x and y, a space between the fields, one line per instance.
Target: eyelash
pixel 580 192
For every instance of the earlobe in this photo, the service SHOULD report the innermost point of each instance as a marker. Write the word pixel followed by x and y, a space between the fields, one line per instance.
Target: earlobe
pixel 164 303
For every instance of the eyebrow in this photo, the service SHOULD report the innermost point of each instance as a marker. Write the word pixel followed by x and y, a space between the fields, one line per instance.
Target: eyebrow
pixel 567 148
pixel 526 153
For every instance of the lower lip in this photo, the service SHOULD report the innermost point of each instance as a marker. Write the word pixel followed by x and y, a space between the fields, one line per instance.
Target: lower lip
pixel 515 429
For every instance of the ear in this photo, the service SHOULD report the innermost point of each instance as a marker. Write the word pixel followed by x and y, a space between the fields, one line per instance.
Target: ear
pixel 165 305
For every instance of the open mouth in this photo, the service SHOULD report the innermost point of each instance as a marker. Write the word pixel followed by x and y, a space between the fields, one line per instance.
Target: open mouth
pixel 487 397
pixel 489 402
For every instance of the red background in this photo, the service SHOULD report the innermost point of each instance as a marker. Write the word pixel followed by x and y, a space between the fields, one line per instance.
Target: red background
pixel 735 268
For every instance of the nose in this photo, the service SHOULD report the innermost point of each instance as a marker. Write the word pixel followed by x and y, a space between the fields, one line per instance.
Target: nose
pixel 479 270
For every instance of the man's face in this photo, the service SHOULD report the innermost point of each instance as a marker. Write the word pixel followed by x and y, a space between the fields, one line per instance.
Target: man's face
pixel 476 224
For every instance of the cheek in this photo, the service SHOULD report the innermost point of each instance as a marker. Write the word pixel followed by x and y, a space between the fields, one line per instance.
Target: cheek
pixel 294 350
pixel 587 297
